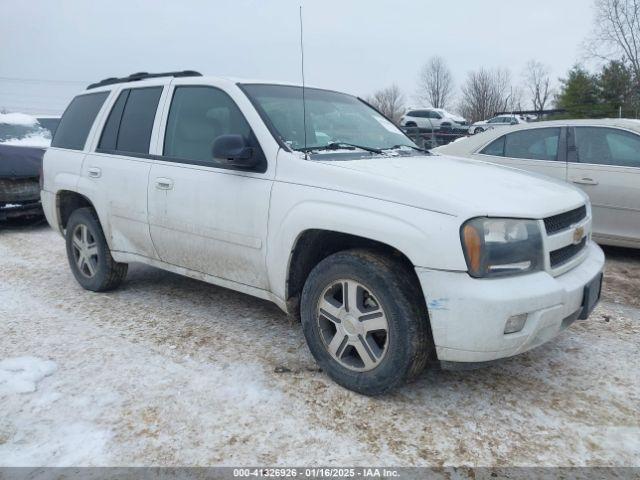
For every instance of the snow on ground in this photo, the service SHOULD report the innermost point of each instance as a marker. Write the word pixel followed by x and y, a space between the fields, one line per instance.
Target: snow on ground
pixel 22 374
pixel 171 371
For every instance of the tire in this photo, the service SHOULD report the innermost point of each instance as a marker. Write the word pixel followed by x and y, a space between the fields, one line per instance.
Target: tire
pixel 411 124
pixel 366 358
pixel 89 256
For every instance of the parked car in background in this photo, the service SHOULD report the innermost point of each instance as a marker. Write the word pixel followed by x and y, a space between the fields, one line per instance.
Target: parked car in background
pixel 50 122
pixel 602 157
pixel 390 256
pixel 432 118
pixel 496 122
pixel 23 139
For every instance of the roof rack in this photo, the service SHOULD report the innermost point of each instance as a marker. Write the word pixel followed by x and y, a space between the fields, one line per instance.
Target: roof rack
pixel 143 76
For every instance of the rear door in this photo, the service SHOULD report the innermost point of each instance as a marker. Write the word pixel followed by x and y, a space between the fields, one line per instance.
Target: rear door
pixel 117 171
pixel 540 150
pixel 605 163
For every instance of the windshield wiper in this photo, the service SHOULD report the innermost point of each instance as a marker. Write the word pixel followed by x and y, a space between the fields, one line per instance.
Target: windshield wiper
pixel 409 146
pixel 340 145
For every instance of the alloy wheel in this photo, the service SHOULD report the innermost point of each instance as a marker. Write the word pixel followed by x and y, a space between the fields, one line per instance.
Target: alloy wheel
pixel 353 325
pixel 85 251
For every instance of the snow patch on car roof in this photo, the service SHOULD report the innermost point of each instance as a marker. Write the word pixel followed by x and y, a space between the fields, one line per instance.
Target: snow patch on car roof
pixel 18 119
pixel 35 140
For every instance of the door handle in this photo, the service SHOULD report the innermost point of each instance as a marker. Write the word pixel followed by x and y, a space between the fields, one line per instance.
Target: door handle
pixel 164 183
pixel 94 172
pixel 585 181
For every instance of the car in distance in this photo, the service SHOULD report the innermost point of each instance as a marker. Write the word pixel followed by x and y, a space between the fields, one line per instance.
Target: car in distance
pixel 432 118
pixel 23 140
pixel 50 122
pixel 602 157
pixel 496 122
pixel 389 256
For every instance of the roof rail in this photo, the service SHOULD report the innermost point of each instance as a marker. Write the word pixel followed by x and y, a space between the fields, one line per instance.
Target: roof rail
pixel 142 76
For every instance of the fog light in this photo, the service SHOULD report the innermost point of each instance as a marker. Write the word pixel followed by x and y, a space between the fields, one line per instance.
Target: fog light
pixel 515 323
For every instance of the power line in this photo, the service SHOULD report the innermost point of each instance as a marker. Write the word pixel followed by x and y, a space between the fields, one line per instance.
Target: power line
pixel 42 80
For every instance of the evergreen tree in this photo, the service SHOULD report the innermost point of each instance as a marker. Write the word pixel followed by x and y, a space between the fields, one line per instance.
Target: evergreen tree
pixel 579 95
pixel 615 84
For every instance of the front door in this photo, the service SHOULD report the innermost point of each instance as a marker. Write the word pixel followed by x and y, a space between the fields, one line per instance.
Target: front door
pixel 204 216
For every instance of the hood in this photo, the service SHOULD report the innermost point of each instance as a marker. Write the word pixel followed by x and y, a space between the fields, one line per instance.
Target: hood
pixel 20 162
pixel 452 185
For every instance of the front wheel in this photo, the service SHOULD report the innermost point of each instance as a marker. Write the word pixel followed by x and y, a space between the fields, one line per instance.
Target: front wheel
pixel 365 321
pixel 88 253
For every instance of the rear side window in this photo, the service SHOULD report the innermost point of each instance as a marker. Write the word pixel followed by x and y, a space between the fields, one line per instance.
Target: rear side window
pixel 128 128
pixel 535 144
pixel 73 130
pixel 110 131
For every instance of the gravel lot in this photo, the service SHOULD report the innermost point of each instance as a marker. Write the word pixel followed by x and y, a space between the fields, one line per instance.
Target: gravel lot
pixel 172 371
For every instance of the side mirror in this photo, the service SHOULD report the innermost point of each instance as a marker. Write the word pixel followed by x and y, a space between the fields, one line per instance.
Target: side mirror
pixel 232 150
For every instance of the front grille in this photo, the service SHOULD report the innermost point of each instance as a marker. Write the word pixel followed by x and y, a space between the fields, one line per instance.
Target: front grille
pixel 564 220
pixel 563 255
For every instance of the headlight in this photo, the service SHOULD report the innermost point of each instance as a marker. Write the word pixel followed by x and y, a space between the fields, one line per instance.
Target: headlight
pixel 495 247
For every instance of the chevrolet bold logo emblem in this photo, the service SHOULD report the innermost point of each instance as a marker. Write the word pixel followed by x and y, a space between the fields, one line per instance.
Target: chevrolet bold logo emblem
pixel 578 234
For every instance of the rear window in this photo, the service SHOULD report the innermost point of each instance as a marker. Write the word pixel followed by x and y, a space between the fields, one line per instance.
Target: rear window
pixel 128 128
pixel 77 120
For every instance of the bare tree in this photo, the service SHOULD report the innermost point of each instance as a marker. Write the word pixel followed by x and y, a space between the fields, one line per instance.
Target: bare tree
pixel 435 83
pixel 390 101
pixel 538 82
pixel 616 32
pixel 486 92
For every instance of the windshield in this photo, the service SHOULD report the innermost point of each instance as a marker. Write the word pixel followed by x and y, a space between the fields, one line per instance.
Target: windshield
pixel 333 119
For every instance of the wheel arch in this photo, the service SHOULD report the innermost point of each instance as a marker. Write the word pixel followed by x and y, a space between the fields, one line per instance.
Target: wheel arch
pixel 67 201
pixel 314 245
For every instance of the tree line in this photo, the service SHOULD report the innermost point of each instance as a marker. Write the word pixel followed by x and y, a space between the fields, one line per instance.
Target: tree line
pixel 611 91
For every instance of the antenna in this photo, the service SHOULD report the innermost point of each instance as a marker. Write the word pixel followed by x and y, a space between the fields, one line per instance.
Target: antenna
pixel 304 103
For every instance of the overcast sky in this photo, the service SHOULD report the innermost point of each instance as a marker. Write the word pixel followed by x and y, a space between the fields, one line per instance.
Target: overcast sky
pixel 51 49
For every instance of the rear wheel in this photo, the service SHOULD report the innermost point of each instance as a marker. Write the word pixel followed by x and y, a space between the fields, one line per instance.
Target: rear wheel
pixel 365 321
pixel 88 253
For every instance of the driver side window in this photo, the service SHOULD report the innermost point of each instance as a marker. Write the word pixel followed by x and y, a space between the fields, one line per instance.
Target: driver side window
pixel 197 116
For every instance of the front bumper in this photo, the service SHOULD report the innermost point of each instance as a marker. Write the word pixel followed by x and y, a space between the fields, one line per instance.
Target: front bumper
pixel 20 210
pixel 468 315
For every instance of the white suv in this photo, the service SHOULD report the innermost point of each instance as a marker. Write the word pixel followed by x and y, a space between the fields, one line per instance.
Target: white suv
pixel 431 118
pixel 389 256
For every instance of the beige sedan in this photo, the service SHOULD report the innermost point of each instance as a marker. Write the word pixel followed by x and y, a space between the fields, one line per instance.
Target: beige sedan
pixel 602 157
